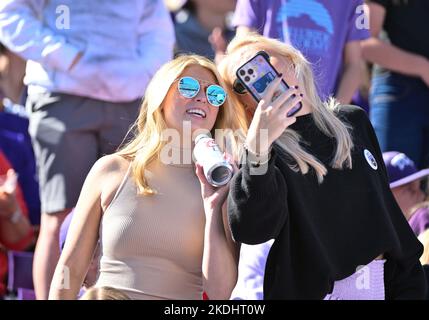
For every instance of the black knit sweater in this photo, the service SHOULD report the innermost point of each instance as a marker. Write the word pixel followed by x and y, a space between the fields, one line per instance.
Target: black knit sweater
pixel 323 232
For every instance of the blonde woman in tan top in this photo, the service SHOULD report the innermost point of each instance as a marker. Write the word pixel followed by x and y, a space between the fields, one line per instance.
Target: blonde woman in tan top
pixel 162 230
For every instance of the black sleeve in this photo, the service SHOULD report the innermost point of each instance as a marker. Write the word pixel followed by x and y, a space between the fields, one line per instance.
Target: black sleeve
pixel 257 205
pixel 407 280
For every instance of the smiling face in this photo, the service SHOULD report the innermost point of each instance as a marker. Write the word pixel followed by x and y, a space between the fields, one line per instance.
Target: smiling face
pixel 178 109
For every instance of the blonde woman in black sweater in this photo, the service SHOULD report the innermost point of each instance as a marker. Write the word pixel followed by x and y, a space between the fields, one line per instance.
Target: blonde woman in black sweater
pixel 319 187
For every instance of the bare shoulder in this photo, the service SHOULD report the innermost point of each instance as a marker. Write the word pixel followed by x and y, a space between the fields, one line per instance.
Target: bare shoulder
pixel 110 164
pixel 109 172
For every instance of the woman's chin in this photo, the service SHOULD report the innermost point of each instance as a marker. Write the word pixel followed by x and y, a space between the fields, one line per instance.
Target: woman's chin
pixel 199 123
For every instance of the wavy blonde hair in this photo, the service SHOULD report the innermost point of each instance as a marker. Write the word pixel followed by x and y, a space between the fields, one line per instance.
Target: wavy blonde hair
pixel 244 47
pixel 147 141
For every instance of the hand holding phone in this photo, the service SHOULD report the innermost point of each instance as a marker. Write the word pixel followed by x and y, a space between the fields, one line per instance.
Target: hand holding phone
pixel 270 119
pixel 257 73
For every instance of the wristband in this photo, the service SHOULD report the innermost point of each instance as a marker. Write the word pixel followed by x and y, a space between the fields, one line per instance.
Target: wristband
pixel 256 160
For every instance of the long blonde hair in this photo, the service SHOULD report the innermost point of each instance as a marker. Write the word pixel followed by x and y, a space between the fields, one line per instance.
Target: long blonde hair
pixel 147 141
pixel 241 49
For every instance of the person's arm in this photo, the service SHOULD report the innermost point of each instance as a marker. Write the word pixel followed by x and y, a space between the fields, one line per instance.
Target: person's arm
pixel 218 43
pixel 219 256
pixel 234 246
pixel 257 206
pixel 248 16
pixel 243 30
pixel 15 228
pixel 16 233
pixel 156 39
pixel 82 235
pixel 351 75
pixel 388 55
pixel 23 33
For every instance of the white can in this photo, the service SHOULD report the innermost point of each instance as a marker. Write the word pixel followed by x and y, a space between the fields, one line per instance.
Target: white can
pixel 217 170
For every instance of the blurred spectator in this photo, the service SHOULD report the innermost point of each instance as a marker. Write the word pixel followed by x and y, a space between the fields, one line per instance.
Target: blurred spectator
pixel 325 31
pixel 16 144
pixel 14 137
pixel 202 27
pixel 88 66
pixel 400 85
pixel 12 69
pixel 419 221
pixel 405 182
pixel 15 229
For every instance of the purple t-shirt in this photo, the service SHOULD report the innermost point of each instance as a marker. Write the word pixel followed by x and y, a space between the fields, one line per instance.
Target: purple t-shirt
pixel 318 28
pixel 419 221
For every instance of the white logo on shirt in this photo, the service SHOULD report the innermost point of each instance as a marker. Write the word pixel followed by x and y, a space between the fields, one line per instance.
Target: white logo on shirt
pixel 370 159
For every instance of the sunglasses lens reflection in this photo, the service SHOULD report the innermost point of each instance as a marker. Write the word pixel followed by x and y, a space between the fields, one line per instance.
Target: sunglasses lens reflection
pixel 216 95
pixel 188 87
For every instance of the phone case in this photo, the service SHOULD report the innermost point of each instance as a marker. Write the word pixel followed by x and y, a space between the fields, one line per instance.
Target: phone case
pixel 257 73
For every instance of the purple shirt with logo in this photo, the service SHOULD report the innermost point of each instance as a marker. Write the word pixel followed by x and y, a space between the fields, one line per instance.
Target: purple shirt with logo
pixel 318 28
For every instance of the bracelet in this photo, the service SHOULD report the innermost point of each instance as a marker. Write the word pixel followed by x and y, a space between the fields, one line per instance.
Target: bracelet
pixel 16 216
pixel 257 155
pixel 256 160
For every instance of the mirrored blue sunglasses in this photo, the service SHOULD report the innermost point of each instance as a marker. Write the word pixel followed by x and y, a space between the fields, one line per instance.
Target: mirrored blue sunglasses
pixel 189 88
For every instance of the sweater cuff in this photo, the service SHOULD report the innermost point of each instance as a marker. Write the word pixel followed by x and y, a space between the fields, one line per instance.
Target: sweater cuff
pixel 62 57
pixel 261 179
pixel 259 165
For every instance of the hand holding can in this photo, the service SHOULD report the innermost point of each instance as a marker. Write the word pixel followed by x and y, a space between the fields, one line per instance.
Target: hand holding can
pixel 217 170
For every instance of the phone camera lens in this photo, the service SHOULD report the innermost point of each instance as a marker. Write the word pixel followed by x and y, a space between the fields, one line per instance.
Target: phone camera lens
pixel 247 78
pixel 242 72
pixel 250 71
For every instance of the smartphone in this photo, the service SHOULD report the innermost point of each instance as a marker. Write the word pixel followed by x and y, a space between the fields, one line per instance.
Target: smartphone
pixel 257 73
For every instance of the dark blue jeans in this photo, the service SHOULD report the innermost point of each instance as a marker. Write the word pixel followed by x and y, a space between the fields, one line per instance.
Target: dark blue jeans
pixel 399 112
